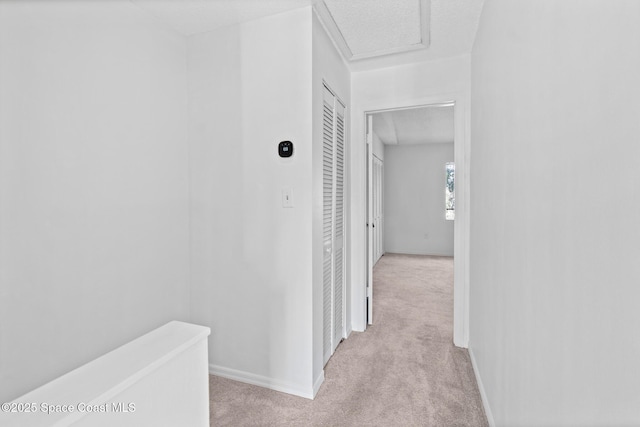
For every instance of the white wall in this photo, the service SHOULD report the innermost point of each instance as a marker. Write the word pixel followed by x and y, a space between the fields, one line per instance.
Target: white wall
pixel 158 379
pixel 93 184
pixel 408 85
pixel 251 259
pixel 329 67
pixel 555 231
pixel 414 199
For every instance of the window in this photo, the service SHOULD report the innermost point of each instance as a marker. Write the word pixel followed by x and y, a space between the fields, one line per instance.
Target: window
pixel 450 195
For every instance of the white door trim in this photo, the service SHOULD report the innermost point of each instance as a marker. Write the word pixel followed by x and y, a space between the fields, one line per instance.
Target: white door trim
pixel 369 207
pixel 461 226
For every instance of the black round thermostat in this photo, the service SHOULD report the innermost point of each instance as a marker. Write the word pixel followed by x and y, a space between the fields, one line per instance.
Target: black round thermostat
pixel 285 149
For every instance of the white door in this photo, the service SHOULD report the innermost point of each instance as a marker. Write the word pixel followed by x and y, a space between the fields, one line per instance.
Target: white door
pixel 370 244
pixel 333 162
pixel 380 213
pixel 338 241
pixel 377 220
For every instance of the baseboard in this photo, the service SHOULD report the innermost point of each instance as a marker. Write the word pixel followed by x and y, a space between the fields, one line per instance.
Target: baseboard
pixel 463 344
pixel 447 255
pixel 266 382
pixel 483 394
pixel 317 383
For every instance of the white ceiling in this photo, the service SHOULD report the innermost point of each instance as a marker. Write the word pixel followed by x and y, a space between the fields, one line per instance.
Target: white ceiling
pixel 390 24
pixel 199 16
pixel 453 23
pixel 425 125
pixel 362 28
pixel 453 28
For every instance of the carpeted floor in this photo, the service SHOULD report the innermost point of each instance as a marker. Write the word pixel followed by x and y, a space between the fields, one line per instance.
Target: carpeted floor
pixel 403 371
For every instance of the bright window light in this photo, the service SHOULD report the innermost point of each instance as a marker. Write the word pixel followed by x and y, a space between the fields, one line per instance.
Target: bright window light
pixel 450 195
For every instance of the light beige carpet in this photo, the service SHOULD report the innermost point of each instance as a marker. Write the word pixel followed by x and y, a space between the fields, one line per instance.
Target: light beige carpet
pixel 403 371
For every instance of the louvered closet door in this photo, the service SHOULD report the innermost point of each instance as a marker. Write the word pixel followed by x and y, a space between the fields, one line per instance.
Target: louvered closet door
pixel 328 124
pixel 338 252
pixel 333 229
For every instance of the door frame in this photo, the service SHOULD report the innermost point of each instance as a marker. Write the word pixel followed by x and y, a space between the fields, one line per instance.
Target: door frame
pixel 461 226
pixel 369 213
pixel 373 225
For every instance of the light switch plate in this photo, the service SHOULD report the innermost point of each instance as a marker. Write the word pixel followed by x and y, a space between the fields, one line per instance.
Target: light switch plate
pixel 287 198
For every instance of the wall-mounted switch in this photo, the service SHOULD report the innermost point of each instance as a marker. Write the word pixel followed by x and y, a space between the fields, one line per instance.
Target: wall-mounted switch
pixel 287 198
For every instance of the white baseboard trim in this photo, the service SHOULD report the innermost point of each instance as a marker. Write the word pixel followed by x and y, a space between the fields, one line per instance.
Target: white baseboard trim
pixel 317 383
pixel 400 252
pixel 262 381
pixel 483 394
pixel 463 344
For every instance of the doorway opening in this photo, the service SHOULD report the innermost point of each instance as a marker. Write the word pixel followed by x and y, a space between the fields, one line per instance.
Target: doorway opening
pixel 410 205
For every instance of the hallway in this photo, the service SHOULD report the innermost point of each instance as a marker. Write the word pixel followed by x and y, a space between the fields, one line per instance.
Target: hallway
pixel 404 370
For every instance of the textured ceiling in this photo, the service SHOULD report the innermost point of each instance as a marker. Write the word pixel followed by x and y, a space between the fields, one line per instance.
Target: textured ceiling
pixel 453 23
pixel 378 26
pixel 453 28
pixel 425 125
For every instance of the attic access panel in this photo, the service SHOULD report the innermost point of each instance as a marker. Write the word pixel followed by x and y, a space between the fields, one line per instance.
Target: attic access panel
pixel 364 28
